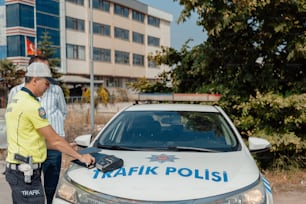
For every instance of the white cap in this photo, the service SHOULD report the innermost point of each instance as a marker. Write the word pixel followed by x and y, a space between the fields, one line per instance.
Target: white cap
pixel 39 69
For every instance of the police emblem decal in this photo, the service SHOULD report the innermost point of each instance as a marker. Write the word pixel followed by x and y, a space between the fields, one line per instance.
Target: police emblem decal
pixel 42 113
pixel 162 158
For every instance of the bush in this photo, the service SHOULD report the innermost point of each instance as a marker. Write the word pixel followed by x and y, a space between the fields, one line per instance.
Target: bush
pixel 101 95
pixel 280 120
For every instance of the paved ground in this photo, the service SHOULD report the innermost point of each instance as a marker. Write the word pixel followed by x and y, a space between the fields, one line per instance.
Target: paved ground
pixel 5 193
pixel 290 197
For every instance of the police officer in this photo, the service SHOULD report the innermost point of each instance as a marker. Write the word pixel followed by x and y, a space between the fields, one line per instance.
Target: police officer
pixel 54 104
pixel 28 130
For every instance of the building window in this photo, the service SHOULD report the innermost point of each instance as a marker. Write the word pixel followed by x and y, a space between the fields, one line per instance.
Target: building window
pixel 121 33
pixel 75 24
pixel 47 21
pixel 50 7
pixel 138 38
pixel 137 16
pixel 113 82
pixel 138 60
pixel 101 5
pixel 79 2
pixel 75 52
pixel 100 54
pixel 121 11
pixel 16 45
pixel 122 57
pixel 19 15
pixel 153 41
pixel 101 29
pixel 153 21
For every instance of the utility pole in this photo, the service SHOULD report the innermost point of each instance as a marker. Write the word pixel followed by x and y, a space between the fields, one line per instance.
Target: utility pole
pixel 92 97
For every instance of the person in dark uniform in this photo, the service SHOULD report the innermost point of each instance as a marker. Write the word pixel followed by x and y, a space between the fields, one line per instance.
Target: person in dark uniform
pixel 28 130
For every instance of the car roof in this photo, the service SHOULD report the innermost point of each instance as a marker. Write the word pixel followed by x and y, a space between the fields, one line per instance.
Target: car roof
pixel 173 107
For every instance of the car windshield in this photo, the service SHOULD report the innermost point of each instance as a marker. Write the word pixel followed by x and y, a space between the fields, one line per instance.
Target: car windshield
pixel 168 130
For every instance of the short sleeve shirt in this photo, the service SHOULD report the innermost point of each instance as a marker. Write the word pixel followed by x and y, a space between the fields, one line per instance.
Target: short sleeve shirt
pixel 24 115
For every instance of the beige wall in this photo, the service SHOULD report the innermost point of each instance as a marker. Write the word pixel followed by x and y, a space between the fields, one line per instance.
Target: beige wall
pixel 112 69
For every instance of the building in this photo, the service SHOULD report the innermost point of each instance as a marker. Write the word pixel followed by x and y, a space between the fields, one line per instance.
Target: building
pixel 124 32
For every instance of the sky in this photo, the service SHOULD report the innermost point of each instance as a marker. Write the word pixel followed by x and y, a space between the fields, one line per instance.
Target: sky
pixel 180 33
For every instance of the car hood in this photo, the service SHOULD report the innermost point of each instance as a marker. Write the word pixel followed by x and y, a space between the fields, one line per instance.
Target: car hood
pixel 170 176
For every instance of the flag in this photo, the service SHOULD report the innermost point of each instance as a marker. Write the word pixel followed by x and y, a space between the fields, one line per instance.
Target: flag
pixel 30 47
pixel 38 52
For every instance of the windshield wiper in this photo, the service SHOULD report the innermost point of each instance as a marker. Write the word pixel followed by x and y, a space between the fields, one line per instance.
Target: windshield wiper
pixel 171 148
pixel 195 149
pixel 116 147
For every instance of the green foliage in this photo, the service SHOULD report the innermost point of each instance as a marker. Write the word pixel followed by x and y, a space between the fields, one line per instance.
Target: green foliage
pixel 152 86
pixel 10 75
pixel 188 75
pixel 48 50
pixel 141 85
pixel 280 120
pixel 281 114
pixel 252 47
pixel 240 33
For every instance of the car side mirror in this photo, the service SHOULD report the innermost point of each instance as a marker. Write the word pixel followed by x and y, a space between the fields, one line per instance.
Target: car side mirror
pixel 83 140
pixel 257 145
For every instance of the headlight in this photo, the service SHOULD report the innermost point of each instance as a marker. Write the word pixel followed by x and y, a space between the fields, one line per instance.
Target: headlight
pixel 66 192
pixel 255 195
pixel 74 193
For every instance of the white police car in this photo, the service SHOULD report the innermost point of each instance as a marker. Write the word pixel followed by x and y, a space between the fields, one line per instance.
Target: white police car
pixel 172 153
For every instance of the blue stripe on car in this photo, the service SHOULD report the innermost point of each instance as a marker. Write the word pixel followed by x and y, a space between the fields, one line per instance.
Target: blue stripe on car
pixel 267 184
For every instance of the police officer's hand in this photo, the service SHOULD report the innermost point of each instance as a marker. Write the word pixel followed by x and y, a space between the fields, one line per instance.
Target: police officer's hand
pixel 87 159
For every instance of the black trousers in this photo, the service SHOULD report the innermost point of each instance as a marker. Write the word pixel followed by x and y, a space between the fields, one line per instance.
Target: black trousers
pixel 51 170
pixel 22 192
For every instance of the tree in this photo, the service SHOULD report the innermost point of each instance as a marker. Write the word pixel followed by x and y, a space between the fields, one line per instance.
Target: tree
pixel 255 56
pixel 47 49
pixel 159 85
pixel 10 76
pixel 251 45
pixel 189 72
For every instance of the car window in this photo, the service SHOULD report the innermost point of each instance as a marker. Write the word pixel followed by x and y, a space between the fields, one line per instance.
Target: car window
pixel 163 129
